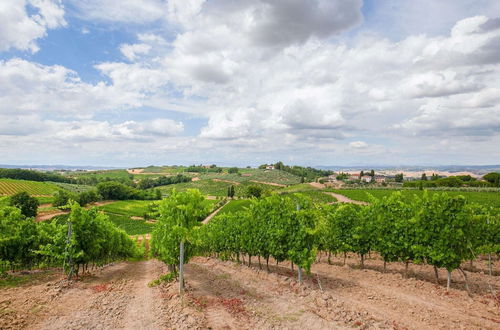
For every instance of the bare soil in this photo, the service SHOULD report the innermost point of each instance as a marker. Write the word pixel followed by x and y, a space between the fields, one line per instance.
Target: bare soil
pixel 343 199
pixel 228 295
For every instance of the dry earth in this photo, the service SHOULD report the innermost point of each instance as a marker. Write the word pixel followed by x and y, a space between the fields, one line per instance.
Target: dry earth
pixel 228 295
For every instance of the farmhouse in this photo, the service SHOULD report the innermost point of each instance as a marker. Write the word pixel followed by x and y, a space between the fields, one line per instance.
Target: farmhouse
pixel 380 178
pixel 269 167
pixel 366 178
pixel 353 177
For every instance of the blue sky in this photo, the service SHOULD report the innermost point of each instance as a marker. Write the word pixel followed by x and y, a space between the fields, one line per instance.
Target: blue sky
pixel 323 82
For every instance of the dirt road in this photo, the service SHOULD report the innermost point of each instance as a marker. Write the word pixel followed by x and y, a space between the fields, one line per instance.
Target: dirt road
pixel 228 295
pixel 343 199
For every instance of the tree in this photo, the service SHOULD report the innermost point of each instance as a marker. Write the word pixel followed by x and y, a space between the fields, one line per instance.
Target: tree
pixel 171 238
pixel 424 177
pixel 399 177
pixel 434 177
pixel 232 170
pixel 230 191
pixel 493 178
pixel 27 204
pixel 361 174
pixel 254 191
pixel 372 173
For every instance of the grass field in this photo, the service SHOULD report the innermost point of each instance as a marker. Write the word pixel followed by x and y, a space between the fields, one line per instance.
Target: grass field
pixel 235 206
pixel 483 198
pixel 130 208
pixel 130 226
pixel 10 187
pixel 206 187
pixel 112 174
pixel 299 188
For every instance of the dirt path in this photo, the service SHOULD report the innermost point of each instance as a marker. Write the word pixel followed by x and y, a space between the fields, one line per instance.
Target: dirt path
pixel 49 215
pixel 115 298
pixel 317 185
pixel 343 199
pixel 213 214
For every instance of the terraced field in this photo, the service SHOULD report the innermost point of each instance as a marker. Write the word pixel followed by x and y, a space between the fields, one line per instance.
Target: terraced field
pixel 10 187
pixel 270 176
pixel 74 188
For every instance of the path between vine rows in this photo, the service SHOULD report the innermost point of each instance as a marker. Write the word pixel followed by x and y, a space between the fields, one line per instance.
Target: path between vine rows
pixel 227 295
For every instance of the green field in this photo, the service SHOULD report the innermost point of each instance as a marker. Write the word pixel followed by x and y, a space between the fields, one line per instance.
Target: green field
pixel 131 208
pixel 300 188
pixel 111 174
pixel 10 187
pixel 130 226
pixel 206 187
pixel 216 188
pixel 483 198
pixel 235 206
pixel 272 176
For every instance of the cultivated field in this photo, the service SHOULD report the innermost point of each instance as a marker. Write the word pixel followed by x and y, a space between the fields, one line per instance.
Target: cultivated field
pixel 11 187
pixel 480 197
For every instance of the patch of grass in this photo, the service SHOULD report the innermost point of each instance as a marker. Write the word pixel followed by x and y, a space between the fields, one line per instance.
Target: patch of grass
pixel 206 187
pixel 169 277
pixel 129 207
pixel 19 279
pixel 235 206
pixel 130 226
pixel 299 188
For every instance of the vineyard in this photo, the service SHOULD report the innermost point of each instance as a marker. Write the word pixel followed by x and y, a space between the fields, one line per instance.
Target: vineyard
pixel 438 229
pixel 484 198
pixel 87 237
pixel 271 176
pixel 11 187
pixel 285 235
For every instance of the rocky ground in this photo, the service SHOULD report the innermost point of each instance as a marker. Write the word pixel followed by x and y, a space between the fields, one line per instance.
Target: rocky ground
pixel 227 295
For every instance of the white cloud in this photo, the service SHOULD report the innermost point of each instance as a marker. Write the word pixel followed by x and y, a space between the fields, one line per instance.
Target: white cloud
pixel 20 30
pixel 132 52
pixel 129 130
pixel 29 87
pixel 123 11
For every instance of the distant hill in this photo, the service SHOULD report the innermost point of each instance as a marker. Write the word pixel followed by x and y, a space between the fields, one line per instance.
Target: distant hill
pixel 476 169
pixel 59 167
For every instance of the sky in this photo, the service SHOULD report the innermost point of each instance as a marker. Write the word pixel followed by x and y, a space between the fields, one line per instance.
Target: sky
pixel 309 82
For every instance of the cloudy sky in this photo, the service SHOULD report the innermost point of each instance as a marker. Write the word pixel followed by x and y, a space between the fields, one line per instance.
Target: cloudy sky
pixel 310 82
